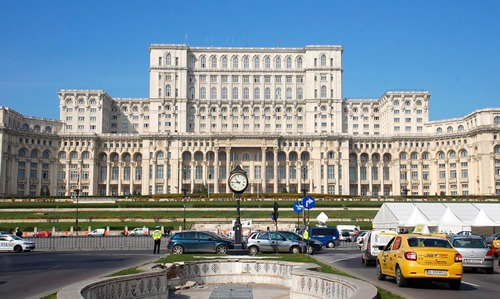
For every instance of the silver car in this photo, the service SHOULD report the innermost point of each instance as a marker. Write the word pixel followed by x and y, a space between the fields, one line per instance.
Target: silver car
pixel 475 253
pixel 273 242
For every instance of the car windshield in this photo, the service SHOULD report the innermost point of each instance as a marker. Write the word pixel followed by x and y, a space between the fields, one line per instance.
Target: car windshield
pixel 469 243
pixel 428 242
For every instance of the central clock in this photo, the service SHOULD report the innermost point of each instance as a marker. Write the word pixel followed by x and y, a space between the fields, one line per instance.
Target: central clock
pixel 238 180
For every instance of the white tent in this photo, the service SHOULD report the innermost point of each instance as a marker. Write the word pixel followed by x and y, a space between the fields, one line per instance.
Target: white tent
pixel 449 217
pixel 450 223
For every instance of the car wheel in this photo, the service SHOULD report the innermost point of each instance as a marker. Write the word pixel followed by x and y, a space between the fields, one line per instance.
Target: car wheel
pixel 310 249
pixel 380 275
pixel 400 279
pixel 366 262
pixel 221 249
pixel 330 244
pixel 295 249
pixel 489 270
pixel 178 249
pixel 455 284
pixel 253 250
pixel 18 248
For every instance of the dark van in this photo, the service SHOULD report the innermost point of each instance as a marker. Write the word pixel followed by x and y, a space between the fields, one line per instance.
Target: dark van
pixel 328 236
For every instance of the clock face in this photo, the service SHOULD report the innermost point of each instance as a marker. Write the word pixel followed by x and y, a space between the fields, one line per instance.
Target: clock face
pixel 238 182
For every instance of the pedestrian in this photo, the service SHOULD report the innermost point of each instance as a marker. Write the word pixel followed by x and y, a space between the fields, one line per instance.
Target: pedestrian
pixel 19 233
pixel 157 240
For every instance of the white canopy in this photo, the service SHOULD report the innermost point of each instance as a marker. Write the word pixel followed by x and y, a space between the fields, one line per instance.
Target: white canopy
pixel 441 217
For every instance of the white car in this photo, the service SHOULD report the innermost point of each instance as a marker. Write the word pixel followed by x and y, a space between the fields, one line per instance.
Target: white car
pixel 9 242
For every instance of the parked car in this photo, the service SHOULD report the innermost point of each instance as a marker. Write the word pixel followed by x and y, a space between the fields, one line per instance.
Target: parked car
pixel 313 245
pixel 360 238
pixel 413 256
pixel 373 240
pixel 10 242
pixel 99 232
pixel 490 239
pixel 42 233
pixel 140 231
pixel 328 236
pixel 495 246
pixel 475 253
pixel 464 233
pixel 197 242
pixel 273 242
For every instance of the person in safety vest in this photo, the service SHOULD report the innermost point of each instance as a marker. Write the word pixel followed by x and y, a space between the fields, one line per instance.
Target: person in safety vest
pixel 157 239
pixel 305 235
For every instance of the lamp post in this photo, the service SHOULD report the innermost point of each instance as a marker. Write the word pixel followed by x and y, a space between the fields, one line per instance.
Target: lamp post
pixel 304 192
pixel 184 191
pixel 77 194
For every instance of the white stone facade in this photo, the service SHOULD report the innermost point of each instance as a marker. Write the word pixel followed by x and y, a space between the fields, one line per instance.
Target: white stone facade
pixel 279 113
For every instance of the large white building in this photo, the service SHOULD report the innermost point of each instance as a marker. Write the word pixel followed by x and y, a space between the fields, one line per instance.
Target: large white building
pixel 279 113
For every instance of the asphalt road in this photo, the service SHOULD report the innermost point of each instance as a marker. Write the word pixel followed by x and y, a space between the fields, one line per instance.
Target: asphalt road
pixel 474 285
pixel 40 273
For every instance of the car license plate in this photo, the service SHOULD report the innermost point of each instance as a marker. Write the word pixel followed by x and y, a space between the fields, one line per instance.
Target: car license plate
pixel 472 261
pixel 436 272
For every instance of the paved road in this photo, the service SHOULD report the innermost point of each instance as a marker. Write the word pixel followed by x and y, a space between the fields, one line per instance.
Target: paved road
pixel 474 285
pixel 40 273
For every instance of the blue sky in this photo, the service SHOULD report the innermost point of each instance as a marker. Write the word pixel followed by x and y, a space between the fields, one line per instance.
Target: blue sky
pixel 449 48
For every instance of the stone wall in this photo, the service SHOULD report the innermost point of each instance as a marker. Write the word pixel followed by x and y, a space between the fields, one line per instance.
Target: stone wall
pixel 302 280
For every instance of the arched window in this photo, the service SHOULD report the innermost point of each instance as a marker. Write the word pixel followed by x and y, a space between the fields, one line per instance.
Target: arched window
pixel 21 153
pixel 203 93
pixel 256 93
pixel 353 157
pixel 34 153
pixel 460 128
pixel 126 157
pixel 452 154
pixel 323 60
pixel 299 62
pixel 304 156
pixel 267 93
pixel 36 128
pixel 26 127
pixel 224 93
pixel 235 62
pixel 375 158
pixel 73 155
pixel 288 93
pixel 267 62
pixel 191 93
pixel 213 93
pixel 364 157
pixel 159 155
pixel 387 158
pixel 85 155
pixel 48 130
pixel 300 93
pixel 464 154
pixel 323 91
pixel 46 155
pixel 277 94
pixel 449 129
pixel 293 156
pixel 114 157
pixel 402 156
pixel 138 158
pixel 62 155
pixel 439 130
pixel 224 62
pixel 168 59
pixel 497 120
pixel 426 156
pixel 198 156
pixel 203 62
pixel 213 62
pixel 330 155
pixel 246 62
pixel 414 156
pixel 104 157
pixel 289 62
pixel 235 93
pixel 277 62
pixel 256 62
pixel 440 155
pixel 246 93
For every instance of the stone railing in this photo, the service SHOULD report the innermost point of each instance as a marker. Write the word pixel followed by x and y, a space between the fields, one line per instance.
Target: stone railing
pixel 302 280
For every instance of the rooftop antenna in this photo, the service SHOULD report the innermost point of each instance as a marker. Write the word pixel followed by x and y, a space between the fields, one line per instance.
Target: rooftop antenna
pixel 278 43
pixel 186 39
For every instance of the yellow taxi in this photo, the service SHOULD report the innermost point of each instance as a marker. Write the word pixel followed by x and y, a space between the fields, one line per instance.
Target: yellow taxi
pixel 495 245
pixel 415 256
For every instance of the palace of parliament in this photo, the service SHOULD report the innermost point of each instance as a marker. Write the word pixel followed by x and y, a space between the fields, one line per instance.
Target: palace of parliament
pixel 279 113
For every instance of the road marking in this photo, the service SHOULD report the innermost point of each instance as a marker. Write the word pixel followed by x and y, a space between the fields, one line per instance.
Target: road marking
pixel 471 284
pixel 344 259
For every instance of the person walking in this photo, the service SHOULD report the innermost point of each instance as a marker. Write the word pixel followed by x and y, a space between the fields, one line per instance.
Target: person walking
pixel 157 240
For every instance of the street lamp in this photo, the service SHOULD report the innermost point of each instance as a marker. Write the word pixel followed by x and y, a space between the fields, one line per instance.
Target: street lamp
pixel 184 191
pixel 304 192
pixel 77 194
